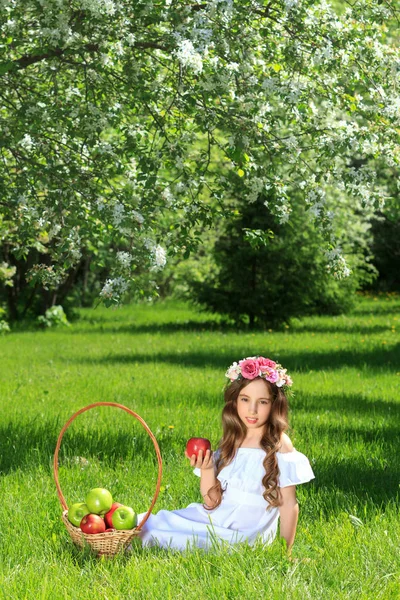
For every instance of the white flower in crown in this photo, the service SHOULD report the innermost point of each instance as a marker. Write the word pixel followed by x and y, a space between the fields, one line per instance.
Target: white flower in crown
pixel 233 372
pixel 281 376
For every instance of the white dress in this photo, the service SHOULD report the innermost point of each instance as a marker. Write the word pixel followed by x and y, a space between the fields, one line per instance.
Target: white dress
pixel 242 515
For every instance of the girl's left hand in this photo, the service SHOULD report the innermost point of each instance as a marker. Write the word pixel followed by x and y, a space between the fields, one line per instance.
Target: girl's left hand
pixel 204 463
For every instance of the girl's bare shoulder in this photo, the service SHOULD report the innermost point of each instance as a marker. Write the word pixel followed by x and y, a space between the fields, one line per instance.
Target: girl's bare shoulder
pixel 286 444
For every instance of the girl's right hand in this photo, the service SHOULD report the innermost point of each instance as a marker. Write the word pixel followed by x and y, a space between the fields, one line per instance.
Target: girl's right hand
pixel 204 463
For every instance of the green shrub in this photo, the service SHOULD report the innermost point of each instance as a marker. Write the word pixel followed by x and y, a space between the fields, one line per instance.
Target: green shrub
pixel 268 272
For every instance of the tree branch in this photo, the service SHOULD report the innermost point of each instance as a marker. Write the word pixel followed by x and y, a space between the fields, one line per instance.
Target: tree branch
pixel 27 60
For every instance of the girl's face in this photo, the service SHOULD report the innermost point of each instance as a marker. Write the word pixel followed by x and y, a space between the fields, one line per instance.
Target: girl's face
pixel 254 404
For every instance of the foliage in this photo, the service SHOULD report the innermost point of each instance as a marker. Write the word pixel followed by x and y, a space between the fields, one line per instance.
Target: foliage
pixel 112 111
pixel 53 317
pixel 385 246
pixel 4 326
pixel 268 272
pixel 386 251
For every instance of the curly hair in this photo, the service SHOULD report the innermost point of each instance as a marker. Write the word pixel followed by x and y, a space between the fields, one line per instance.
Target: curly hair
pixel 234 433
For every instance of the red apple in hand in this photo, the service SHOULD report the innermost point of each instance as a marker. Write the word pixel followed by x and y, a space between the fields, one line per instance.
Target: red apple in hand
pixel 194 446
pixel 93 524
pixel 108 515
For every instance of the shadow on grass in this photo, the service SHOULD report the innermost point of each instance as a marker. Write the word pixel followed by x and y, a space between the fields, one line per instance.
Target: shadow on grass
pixel 393 308
pixel 164 328
pixel 340 327
pixel 387 359
pixel 366 480
pixel 82 557
pixel 344 404
pixel 211 326
pixel 26 446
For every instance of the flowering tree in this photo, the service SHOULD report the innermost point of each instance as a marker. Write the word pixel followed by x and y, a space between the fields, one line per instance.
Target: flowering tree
pixel 112 112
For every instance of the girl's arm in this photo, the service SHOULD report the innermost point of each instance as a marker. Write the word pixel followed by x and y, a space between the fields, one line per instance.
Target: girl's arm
pixel 289 512
pixel 207 477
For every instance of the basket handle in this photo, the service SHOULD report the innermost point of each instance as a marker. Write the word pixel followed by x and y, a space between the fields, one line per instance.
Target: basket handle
pixel 153 439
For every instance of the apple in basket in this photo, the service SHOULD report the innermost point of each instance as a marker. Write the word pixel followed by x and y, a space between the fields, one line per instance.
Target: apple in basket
pixel 110 513
pixel 195 444
pixel 93 524
pixel 124 517
pixel 77 512
pixel 99 501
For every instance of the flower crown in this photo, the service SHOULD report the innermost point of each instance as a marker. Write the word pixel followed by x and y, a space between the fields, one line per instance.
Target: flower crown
pixel 258 366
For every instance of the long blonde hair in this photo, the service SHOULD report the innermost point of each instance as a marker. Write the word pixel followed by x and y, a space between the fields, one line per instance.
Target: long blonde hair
pixel 234 432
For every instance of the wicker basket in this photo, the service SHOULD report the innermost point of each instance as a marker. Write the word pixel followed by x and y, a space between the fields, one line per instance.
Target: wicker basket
pixel 110 542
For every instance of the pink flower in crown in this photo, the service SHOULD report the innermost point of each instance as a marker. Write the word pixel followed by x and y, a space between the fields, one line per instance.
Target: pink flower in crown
pixel 270 374
pixel 265 362
pixel 249 368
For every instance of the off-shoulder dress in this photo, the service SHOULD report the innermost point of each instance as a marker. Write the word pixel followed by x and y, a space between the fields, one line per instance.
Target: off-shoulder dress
pixel 242 516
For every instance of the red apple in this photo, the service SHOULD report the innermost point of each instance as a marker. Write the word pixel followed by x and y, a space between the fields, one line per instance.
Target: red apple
pixel 108 515
pixel 93 524
pixel 194 446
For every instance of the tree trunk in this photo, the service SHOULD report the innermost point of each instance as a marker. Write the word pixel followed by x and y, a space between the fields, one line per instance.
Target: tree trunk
pixel 12 303
pixel 86 270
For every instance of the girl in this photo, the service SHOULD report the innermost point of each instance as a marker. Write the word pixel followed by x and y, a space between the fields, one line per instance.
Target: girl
pixel 250 481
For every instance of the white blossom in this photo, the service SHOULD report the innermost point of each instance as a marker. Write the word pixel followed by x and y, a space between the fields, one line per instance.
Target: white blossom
pixel 100 203
pixel 125 259
pixel 138 217
pixel 188 57
pixel 167 195
pixel 98 7
pixel 160 257
pixel 54 230
pixel 118 213
pixel 290 3
pixel 233 66
pixel 27 142
pixel 114 289
pixel 130 39
pixel 337 264
pixel 107 290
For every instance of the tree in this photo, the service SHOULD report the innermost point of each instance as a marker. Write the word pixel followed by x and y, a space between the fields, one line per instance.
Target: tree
pixel 266 272
pixel 112 111
pixel 385 246
pixel 386 250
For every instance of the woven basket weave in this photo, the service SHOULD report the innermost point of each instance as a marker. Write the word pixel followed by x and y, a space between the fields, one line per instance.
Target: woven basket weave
pixel 108 543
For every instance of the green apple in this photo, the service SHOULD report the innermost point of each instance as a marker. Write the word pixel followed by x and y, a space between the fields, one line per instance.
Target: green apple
pixel 99 501
pixel 124 517
pixel 77 512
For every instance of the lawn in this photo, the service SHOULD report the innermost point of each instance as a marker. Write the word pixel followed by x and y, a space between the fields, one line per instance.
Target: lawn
pixel 167 363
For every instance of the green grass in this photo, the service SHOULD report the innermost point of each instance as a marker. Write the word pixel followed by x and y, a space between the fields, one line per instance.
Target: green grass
pixel 167 363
